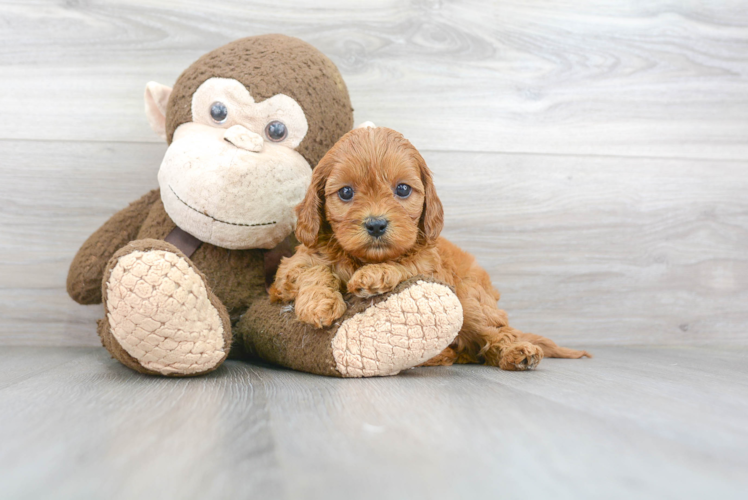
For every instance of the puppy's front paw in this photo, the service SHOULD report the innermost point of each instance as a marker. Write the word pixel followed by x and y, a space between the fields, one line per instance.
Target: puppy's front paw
pixel 277 295
pixel 319 306
pixel 520 356
pixel 373 279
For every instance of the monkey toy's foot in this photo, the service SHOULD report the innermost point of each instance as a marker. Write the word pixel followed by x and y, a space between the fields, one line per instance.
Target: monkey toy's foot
pixel 161 317
pixel 375 337
pixel 405 328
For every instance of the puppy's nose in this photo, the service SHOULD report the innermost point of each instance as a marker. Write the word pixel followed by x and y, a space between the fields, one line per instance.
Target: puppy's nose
pixel 244 138
pixel 376 226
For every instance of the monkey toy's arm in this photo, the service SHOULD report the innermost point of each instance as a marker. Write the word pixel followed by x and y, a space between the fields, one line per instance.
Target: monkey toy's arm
pixel 87 268
pixel 306 280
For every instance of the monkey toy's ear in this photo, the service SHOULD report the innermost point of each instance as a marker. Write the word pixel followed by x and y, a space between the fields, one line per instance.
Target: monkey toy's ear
pixel 156 99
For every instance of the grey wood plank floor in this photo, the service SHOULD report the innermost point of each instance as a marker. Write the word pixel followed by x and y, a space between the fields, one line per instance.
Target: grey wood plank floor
pixel 630 423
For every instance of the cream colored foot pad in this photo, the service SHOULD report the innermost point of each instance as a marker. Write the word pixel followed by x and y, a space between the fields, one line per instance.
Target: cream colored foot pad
pixel 159 312
pixel 400 332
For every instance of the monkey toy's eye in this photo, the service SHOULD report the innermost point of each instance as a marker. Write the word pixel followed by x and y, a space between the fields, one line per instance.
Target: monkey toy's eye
pixel 403 190
pixel 218 112
pixel 345 193
pixel 276 131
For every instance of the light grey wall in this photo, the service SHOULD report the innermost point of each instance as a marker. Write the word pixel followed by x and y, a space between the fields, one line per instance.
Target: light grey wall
pixel 593 155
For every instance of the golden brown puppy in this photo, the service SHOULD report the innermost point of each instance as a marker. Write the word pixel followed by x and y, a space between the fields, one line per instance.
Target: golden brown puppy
pixel 370 220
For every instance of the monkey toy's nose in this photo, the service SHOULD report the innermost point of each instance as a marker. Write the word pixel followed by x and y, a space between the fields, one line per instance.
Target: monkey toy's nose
pixel 376 226
pixel 243 138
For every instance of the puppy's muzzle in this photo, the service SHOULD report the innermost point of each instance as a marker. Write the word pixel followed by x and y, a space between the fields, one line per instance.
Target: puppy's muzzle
pixel 376 226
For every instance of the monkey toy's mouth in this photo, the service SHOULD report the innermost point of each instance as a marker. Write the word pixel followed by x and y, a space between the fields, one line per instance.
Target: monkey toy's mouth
pixel 226 199
pixel 258 224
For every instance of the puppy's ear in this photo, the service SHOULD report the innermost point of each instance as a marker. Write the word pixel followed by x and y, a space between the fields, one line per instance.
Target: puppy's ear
pixel 309 211
pixel 432 218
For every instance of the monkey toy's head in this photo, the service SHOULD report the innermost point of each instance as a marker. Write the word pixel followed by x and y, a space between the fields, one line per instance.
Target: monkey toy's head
pixel 245 125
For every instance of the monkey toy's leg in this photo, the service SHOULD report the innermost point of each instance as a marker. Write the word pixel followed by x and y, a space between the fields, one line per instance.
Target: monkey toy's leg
pixel 161 317
pixel 376 336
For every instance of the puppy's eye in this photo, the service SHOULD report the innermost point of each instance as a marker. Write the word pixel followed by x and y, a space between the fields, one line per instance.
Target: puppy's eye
pixel 276 131
pixel 219 112
pixel 345 193
pixel 403 190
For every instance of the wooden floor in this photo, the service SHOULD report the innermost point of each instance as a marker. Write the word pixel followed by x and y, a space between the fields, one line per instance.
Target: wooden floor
pixel 630 423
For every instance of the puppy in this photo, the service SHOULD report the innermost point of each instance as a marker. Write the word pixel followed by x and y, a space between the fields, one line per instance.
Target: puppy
pixel 370 220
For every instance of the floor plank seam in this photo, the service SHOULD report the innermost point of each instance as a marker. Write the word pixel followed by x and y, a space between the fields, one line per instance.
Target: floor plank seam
pixel 426 150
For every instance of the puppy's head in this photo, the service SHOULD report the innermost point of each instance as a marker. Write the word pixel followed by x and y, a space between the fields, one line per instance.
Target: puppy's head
pixel 374 195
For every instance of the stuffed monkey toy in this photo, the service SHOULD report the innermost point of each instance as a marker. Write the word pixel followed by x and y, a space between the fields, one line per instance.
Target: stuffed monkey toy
pixel 183 271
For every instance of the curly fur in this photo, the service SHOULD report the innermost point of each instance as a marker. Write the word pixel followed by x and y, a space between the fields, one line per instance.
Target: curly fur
pixel 337 251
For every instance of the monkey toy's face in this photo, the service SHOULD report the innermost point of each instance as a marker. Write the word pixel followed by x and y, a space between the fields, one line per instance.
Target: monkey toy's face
pixel 231 177
pixel 245 124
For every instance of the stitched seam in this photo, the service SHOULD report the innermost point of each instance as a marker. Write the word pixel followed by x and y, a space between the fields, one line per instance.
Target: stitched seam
pixel 219 220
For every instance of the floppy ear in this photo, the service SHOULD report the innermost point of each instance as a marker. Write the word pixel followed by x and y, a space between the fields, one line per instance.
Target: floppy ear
pixel 309 211
pixel 156 101
pixel 432 218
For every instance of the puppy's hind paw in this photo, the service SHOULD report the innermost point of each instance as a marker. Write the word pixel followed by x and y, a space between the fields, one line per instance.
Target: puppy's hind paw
pixel 319 306
pixel 520 356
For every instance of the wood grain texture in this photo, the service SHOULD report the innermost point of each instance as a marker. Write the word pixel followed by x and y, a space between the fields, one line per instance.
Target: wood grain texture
pixel 662 78
pixel 587 250
pixel 630 423
pixel 611 250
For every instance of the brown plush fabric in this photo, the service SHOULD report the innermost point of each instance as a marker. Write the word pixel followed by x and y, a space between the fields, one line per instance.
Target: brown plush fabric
pixel 269 65
pixel 87 268
pixel 273 257
pixel 237 277
pixel 108 341
pixel 272 332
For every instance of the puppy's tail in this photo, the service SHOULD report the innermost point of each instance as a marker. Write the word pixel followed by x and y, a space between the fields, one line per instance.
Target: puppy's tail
pixel 550 349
